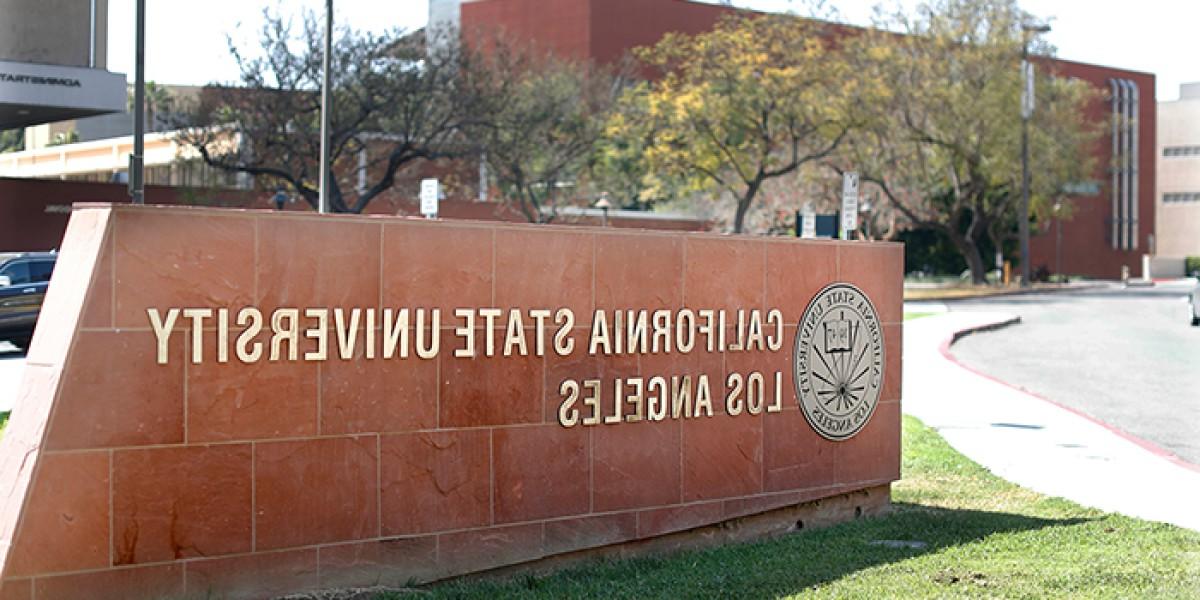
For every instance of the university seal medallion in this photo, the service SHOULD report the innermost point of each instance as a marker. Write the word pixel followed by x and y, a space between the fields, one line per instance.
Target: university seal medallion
pixel 838 362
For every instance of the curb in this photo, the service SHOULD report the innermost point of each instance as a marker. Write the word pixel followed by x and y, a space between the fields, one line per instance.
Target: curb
pixel 1147 445
pixel 1016 292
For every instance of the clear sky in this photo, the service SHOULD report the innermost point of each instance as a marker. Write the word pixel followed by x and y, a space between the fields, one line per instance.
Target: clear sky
pixel 185 40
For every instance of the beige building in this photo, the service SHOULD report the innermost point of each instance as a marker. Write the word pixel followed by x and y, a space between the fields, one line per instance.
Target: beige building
pixel 1178 163
pixel 167 162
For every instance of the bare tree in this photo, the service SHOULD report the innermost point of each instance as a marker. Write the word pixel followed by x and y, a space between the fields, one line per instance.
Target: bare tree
pixel 541 132
pixel 393 99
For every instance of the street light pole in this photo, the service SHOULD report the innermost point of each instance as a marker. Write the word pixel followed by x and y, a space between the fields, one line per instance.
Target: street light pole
pixel 1058 240
pixel 137 160
pixel 323 197
pixel 1027 96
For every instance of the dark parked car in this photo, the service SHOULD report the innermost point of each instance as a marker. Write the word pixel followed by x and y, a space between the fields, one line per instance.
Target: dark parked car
pixel 23 282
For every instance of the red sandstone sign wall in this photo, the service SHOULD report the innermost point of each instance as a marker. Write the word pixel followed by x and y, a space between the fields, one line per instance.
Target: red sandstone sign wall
pixel 238 404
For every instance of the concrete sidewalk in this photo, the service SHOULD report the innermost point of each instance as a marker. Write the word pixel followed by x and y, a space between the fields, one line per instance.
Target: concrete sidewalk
pixel 1033 442
pixel 12 367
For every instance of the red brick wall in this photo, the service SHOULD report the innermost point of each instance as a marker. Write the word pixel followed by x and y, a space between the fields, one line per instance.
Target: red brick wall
pixel 129 478
pixel 1086 247
pixel 562 27
pixel 617 26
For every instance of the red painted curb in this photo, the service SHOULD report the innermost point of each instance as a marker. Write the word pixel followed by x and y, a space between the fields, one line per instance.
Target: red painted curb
pixel 1147 445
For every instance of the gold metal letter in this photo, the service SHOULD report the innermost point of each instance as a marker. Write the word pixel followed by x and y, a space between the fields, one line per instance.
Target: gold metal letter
pixel 568 415
pixel 162 330
pixel 254 317
pixel 466 332
pixel 563 344
pixel 320 333
pixel 197 315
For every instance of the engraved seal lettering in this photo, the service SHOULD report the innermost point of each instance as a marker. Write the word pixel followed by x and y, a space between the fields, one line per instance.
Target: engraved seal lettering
pixel 838 361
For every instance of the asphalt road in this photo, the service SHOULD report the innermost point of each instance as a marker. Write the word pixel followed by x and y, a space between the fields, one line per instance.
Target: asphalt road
pixel 1127 357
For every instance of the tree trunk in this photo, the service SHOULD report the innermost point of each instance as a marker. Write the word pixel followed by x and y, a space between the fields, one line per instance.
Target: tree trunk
pixel 743 205
pixel 970 251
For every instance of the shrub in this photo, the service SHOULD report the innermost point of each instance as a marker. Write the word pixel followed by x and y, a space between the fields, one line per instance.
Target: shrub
pixel 1191 266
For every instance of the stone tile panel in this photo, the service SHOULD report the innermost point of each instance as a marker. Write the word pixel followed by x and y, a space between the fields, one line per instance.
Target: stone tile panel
pixel 315 491
pixel 436 481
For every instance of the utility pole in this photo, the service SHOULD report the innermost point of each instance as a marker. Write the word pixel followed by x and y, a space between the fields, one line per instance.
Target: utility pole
pixel 326 99
pixel 137 160
pixel 1027 97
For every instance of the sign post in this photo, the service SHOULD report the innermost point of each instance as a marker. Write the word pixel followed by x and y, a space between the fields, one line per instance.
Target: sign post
pixel 808 229
pixel 849 204
pixel 430 190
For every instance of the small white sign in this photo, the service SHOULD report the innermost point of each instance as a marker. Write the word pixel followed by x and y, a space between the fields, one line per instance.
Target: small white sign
pixel 430 189
pixel 808 228
pixel 1028 95
pixel 849 203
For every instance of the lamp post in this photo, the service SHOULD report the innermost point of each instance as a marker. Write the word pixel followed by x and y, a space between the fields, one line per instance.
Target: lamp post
pixel 137 188
pixel 864 209
pixel 1026 112
pixel 323 197
pixel 1058 240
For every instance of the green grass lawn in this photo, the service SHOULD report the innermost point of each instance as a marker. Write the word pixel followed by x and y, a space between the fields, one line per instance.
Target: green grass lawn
pixel 979 535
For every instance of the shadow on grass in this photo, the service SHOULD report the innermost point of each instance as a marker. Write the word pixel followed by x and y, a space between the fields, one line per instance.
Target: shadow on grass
pixel 787 565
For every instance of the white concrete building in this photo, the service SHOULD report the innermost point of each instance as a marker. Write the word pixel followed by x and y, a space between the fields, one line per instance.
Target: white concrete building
pixel 1178 163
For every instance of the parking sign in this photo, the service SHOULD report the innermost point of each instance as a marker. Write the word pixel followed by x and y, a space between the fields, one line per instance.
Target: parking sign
pixel 429 197
pixel 849 203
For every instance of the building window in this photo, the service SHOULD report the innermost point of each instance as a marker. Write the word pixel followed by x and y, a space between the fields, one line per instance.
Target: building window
pixel 1177 197
pixel 1178 151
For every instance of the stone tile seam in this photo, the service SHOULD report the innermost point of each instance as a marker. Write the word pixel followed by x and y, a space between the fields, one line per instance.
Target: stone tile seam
pixel 491 476
pixel 382 258
pixel 763 299
pixel 683 296
pixel 378 492
pixel 184 358
pixel 112 513
pixel 320 381
pixel 492 274
pixel 112 274
pixel 253 497
pixel 254 244
pixel 361 434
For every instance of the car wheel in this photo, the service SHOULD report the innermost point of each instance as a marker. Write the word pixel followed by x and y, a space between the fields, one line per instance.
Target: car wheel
pixel 1195 321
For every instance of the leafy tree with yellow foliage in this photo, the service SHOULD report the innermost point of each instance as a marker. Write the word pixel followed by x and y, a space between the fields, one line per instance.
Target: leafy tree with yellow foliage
pixel 754 99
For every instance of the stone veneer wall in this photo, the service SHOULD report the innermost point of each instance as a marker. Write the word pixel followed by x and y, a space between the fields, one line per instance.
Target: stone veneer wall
pixel 122 477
